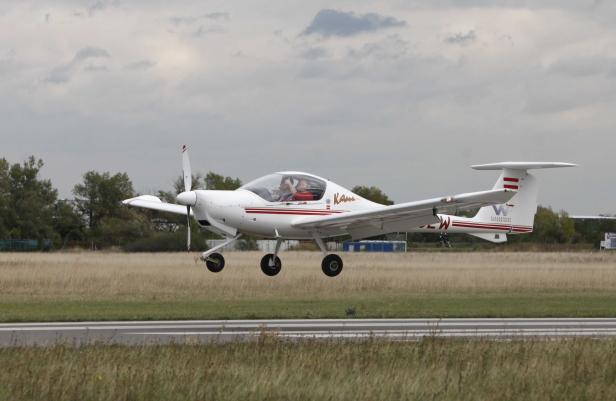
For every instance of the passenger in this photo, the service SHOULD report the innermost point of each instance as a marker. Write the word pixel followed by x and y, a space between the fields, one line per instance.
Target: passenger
pixel 301 193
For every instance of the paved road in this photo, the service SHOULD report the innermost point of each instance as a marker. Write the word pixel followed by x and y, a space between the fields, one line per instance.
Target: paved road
pixel 191 331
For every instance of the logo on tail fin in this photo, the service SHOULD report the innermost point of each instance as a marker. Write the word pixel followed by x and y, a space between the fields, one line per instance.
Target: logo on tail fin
pixel 500 210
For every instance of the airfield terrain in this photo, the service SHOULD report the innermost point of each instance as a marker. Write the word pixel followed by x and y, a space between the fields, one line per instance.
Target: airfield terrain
pixel 84 286
pixel 120 286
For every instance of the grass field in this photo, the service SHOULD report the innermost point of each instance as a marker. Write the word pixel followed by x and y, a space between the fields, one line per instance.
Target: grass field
pixel 274 370
pixel 93 286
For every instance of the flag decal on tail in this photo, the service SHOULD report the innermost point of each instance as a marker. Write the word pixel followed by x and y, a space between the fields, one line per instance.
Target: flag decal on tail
pixel 511 186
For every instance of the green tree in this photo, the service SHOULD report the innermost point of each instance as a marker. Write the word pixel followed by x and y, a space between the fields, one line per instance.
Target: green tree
pixel 210 181
pixel 99 201
pixel 549 228
pixel 100 195
pixel 5 198
pixel 26 201
pixel 67 222
pixel 178 184
pixel 219 182
pixel 373 194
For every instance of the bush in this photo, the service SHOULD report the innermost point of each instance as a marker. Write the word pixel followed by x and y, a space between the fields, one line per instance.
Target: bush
pixel 166 242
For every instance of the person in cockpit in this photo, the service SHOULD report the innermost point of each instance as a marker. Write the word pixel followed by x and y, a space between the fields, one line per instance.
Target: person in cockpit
pixel 300 192
pixel 286 188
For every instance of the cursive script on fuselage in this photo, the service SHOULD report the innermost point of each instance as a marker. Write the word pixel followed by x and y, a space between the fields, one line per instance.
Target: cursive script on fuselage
pixel 338 199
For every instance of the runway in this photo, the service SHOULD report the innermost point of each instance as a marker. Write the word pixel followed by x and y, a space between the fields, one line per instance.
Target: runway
pixel 197 331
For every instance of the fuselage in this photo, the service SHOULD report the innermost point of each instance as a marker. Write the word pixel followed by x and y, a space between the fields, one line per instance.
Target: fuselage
pixel 259 210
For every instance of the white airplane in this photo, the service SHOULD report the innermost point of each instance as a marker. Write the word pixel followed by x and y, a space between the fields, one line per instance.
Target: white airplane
pixel 296 205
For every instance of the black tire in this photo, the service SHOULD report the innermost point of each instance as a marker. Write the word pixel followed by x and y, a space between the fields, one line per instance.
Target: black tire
pixel 215 262
pixel 270 270
pixel 331 265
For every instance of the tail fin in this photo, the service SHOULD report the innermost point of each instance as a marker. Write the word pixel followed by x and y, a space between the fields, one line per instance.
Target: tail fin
pixel 520 211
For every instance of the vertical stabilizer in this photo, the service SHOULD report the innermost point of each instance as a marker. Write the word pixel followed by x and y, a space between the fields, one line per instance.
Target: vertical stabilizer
pixel 519 212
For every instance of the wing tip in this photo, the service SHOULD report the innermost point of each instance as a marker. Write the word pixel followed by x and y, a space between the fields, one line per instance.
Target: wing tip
pixel 521 165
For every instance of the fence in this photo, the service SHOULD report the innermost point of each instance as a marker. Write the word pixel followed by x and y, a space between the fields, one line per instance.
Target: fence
pixel 19 245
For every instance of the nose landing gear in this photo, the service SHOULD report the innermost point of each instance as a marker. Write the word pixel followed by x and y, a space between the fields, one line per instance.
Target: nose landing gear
pixel 215 262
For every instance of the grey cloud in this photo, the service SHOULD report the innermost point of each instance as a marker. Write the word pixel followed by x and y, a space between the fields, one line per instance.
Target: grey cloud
pixel 98 6
pixel 220 16
pixel 204 30
pixel 314 53
pixel 8 62
pixel 96 68
pixel 461 38
pixel 90 52
pixel 339 23
pixel 102 5
pixel 584 66
pixel 63 73
pixel 140 65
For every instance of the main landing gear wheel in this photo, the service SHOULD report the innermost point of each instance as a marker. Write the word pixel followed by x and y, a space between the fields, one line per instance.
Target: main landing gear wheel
pixel 271 269
pixel 215 262
pixel 331 265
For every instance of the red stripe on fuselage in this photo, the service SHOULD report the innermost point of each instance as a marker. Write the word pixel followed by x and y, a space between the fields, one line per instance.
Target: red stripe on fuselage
pixel 511 179
pixel 488 226
pixel 293 213
pixel 509 186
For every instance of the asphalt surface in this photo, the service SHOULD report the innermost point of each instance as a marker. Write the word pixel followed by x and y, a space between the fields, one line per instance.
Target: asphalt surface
pixel 194 331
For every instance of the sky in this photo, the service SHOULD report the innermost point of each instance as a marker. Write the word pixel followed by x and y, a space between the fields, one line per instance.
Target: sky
pixel 401 94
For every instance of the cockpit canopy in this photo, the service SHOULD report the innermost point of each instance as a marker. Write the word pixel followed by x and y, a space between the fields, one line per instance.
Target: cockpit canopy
pixel 291 187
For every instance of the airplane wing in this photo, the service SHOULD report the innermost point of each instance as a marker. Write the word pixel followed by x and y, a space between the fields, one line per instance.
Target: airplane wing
pixel 154 203
pixel 593 217
pixel 364 223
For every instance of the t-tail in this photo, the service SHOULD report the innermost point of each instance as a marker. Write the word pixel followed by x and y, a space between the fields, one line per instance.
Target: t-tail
pixel 519 213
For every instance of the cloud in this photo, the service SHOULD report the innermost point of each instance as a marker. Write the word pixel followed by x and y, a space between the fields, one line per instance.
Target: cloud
pixel 64 73
pixel 314 53
pixel 189 20
pixel 90 52
pixel 339 23
pixel 461 39
pixel 140 65
pixel 584 66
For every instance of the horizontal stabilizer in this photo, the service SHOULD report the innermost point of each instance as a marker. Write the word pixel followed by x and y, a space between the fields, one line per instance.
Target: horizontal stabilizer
pixel 593 217
pixel 521 165
pixel 496 238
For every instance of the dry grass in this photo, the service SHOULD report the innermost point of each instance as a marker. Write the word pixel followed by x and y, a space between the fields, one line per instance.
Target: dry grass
pixel 169 276
pixel 273 370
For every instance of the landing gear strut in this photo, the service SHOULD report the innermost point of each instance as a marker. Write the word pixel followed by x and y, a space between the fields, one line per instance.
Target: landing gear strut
pixel 332 263
pixel 270 263
pixel 214 261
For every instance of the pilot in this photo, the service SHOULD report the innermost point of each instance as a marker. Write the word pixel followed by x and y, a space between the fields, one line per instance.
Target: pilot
pixel 286 188
pixel 300 192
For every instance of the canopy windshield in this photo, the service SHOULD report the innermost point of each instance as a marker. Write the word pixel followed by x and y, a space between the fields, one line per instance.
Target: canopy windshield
pixel 287 187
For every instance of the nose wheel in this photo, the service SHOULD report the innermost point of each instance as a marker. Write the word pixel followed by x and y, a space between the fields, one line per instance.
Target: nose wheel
pixel 215 262
pixel 271 264
pixel 331 265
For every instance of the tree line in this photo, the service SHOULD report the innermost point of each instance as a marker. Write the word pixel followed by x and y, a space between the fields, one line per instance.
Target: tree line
pixel 95 218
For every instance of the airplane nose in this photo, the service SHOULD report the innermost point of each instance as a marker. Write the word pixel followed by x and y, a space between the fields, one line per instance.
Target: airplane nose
pixel 188 198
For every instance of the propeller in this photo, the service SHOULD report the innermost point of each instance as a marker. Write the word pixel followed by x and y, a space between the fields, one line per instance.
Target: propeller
pixel 187 188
